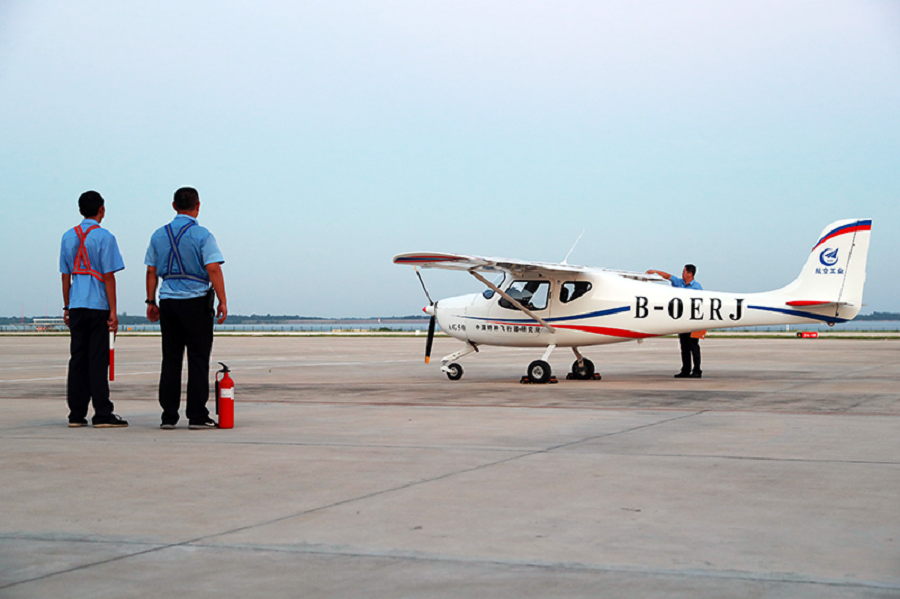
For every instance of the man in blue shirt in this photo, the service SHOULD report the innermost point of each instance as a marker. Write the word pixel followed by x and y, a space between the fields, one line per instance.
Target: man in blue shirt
pixel 690 346
pixel 88 260
pixel 186 257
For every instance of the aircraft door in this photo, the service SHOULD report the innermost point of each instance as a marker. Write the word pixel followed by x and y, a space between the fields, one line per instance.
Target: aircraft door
pixel 567 296
pixel 502 321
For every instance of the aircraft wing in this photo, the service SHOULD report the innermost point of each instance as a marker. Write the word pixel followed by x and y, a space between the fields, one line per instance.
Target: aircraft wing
pixel 515 267
pixel 478 263
pixel 637 276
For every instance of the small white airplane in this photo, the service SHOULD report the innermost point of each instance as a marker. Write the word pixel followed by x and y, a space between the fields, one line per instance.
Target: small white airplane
pixel 559 305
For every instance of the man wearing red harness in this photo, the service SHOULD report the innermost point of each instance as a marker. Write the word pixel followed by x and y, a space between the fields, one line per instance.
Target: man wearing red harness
pixel 88 260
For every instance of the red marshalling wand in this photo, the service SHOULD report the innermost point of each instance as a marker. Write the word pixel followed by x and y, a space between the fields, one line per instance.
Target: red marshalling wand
pixel 112 355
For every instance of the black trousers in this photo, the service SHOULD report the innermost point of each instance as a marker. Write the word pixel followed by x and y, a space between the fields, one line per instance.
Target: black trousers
pixel 690 348
pixel 88 364
pixel 185 324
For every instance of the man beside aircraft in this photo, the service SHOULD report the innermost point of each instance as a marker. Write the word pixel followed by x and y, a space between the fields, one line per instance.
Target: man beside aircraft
pixel 690 345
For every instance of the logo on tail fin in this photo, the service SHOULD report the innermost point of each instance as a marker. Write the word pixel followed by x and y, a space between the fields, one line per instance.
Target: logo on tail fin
pixel 829 257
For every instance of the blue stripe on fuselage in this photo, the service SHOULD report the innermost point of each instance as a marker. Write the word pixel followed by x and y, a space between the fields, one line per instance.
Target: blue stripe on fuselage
pixel 801 314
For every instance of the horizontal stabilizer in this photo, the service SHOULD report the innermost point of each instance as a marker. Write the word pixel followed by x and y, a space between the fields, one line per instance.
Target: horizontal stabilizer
pixel 816 304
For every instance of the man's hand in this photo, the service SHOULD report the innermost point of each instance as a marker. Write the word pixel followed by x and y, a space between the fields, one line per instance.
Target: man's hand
pixel 218 282
pixel 66 286
pixel 113 321
pixel 664 275
pixel 152 312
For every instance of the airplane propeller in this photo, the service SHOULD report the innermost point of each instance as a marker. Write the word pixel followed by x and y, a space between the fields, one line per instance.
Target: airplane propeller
pixel 429 310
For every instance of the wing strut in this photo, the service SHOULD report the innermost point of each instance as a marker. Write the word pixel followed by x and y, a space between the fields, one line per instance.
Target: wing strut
pixel 513 301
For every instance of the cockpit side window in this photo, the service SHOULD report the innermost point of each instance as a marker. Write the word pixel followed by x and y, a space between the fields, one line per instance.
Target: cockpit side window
pixel 572 290
pixel 531 294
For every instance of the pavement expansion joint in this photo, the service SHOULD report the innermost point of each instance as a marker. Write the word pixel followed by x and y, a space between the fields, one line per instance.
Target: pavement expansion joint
pixel 779 577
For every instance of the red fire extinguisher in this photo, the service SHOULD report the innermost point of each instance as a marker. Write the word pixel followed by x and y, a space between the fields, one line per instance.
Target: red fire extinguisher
pixel 225 398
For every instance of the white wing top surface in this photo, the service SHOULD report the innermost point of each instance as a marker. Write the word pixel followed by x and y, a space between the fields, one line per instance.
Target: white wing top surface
pixel 514 267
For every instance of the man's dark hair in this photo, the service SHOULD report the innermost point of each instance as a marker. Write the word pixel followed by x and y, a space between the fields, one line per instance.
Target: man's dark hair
pixel 186 198
pixel 691 269
pixel 89 204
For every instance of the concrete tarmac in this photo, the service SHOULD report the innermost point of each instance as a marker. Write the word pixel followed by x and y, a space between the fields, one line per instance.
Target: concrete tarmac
pixel 355 470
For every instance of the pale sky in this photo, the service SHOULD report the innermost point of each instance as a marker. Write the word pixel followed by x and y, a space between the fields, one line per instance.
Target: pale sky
pixel 325 137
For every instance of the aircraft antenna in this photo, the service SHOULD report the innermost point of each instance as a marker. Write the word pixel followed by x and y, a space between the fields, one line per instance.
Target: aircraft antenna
pixel 566 261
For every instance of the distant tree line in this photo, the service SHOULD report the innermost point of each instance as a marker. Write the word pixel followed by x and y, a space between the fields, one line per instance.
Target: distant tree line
pixel 879 316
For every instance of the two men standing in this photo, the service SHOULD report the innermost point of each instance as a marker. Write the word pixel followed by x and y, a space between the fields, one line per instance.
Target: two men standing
pixel 187 259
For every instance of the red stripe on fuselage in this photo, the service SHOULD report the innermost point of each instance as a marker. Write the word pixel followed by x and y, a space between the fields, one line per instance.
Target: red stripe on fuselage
pixel 606 331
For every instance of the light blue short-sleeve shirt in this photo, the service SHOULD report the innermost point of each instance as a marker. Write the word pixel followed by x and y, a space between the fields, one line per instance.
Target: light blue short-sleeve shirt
pixel 103 253
pixel 197 248
pixel 676 282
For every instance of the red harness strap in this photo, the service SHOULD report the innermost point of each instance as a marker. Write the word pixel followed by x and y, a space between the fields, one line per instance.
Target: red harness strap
pixel 82 264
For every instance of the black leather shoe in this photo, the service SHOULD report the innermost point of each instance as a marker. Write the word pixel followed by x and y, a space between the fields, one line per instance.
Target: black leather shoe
pixel 683 375
pixel 111 421
pixel 697 374
pixel 197 425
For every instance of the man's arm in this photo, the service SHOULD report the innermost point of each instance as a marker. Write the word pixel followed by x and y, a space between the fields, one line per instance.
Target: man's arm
pixel 152 281
pixel 664 275
pixel 218 282
pixel 66 287
pixel 109 280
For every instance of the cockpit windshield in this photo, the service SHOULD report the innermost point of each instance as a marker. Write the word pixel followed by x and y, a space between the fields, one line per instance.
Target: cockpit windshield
pixel 489 293
pixel 531 294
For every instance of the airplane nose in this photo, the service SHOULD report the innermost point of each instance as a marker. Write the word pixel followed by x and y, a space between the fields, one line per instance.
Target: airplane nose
pixel 429 310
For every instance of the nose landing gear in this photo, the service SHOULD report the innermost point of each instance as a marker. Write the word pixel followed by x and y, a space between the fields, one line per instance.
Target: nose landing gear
pixel 453 370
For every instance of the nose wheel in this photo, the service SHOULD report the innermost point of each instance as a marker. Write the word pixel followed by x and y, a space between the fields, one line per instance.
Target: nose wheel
pixel 454 371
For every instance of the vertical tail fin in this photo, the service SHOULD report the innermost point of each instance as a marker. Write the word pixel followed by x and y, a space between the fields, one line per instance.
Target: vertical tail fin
pixel 835 271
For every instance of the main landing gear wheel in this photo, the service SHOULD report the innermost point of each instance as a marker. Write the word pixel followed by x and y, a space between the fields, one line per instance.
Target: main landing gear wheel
pixel 539 372
pixel 454 372
pixel 585 372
